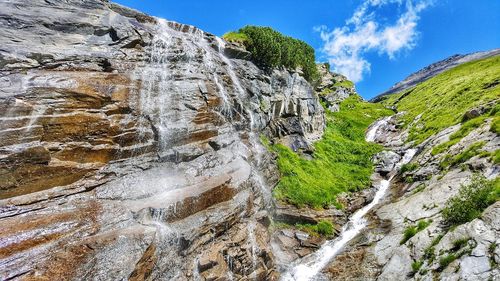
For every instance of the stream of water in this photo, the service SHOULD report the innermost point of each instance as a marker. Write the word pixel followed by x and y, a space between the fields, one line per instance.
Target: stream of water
pixel 309 267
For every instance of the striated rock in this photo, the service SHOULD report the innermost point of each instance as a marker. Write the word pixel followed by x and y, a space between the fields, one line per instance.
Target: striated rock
pixel 124 135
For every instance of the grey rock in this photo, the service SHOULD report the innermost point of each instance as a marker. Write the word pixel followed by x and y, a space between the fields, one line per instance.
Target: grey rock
pixel 386 161
pixel 124 135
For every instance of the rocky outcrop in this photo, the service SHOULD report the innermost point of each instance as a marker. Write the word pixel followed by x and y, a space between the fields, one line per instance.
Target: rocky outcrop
pixel 333 88
pixel 433 70
pixel 123 135
pixel 420 192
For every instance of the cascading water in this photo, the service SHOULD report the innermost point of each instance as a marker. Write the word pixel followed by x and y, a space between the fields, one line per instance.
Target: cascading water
pixel 236 81
pixel 253 243
pixel 159 100
pixel 156 77
pixel 38 111
pixel 310 266
pixel 372 131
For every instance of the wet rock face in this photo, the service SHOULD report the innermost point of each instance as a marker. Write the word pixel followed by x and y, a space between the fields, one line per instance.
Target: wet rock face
pixel 126 136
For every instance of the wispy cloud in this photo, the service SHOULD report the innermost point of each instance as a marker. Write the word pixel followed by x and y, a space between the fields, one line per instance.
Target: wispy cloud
pixel 364 32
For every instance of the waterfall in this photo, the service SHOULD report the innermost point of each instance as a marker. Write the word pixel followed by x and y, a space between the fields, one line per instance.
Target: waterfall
pixel 310 266
pixel 236 81
pixel 253 243
pixel 156 77
pixel 173 53
pixel 372 131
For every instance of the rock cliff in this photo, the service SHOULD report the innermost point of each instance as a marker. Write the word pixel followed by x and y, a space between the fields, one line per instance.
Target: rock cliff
pixel 129 146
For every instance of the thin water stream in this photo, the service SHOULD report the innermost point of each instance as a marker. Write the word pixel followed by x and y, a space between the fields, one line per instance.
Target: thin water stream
pixel 309 267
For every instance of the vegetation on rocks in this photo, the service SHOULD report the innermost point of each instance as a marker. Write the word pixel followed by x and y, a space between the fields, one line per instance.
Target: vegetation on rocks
pixel 341 159
pixel 324 228
pixel 270 48
pixel 464 130
pixel 344 83
pixel 471 200
pixel 236 37
pixel 408 167
pixel 448 96
pixel 411 231
pixel 463 156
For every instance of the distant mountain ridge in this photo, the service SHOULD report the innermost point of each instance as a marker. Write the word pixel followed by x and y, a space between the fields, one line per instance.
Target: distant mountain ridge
pixel 435 69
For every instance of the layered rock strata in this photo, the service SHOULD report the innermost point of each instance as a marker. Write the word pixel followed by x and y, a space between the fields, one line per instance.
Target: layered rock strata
pixel 129 146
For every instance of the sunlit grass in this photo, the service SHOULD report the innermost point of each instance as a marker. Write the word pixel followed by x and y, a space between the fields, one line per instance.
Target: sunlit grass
pixel 443 100
pixel 341 160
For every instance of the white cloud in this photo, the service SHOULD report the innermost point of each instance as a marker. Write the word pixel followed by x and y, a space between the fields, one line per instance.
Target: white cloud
pixel 345 46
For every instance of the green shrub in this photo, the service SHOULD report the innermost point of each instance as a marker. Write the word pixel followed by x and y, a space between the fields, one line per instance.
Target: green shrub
pixel 325 228
pixel 341 160
pixel 411 231
pixel 471 200
pixel 409 179
pixel 416 265
pixel 271 49
pixel 446 260
pixel 409 167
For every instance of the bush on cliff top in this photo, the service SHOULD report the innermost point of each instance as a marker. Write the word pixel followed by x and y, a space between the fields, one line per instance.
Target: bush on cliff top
pixel 444 99
pixel 341 160
pixel 270 49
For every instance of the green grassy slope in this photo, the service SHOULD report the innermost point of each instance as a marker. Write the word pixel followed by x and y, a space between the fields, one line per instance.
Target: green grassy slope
pixel 443 99
pixel 341 160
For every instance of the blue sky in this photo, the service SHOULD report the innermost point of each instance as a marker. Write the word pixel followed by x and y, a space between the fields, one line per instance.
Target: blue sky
pixel 375 42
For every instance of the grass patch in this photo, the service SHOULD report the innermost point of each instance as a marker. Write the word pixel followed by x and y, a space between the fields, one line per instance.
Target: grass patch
pixel 448 96
pixel 236 37
pixel 344 84
pixel 459 244
pixel 411 231
pixel 430 252
pixel 446 260
pixel 496 157
pixel 495 125
pixel 408 167
pixel 464 130
pixel 471 200
pixel 462 157
pixel 341 160
pixel 324 228
pixel 415 266
pixel 418 189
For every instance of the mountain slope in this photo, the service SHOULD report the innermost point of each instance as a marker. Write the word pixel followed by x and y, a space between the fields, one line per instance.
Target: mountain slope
pixel 442 220
pixel 443 100
pixel 433 70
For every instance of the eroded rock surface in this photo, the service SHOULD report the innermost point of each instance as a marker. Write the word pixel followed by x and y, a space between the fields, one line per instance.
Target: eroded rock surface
pixel 129 146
